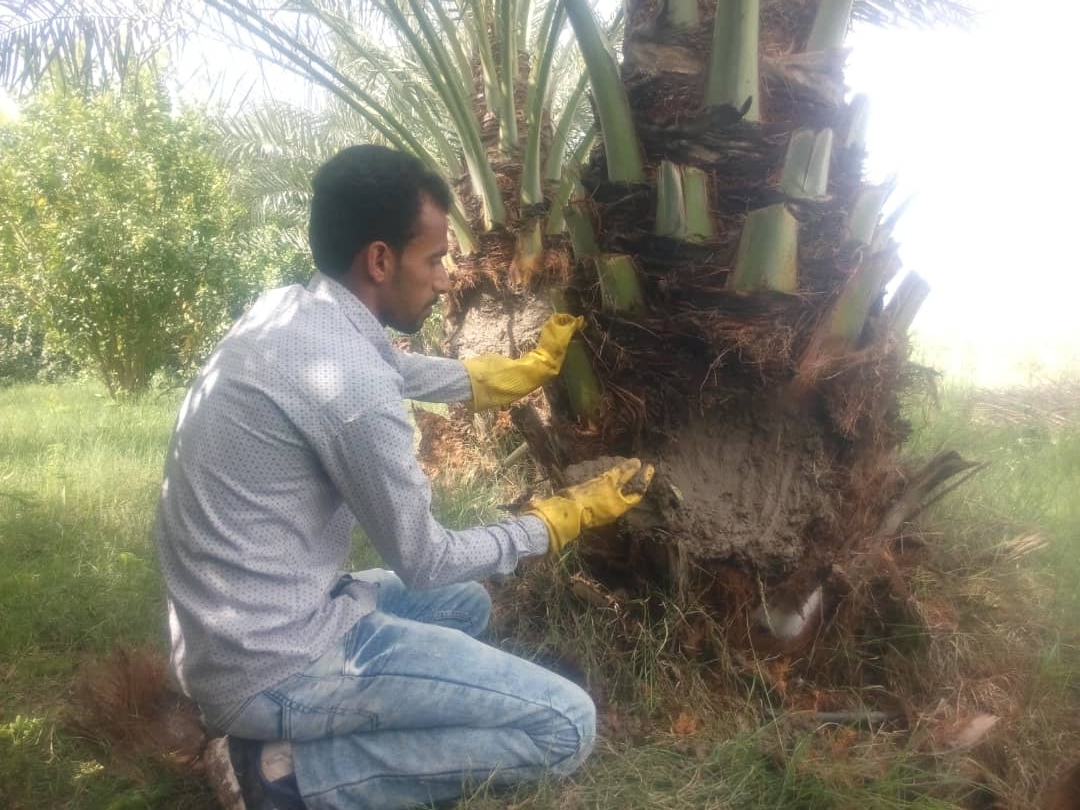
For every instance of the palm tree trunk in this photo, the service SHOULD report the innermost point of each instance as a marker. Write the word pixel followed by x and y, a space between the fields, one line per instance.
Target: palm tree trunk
pixel 762 375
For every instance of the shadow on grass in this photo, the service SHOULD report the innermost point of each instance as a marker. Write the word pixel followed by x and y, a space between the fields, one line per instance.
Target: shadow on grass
pixel 69 588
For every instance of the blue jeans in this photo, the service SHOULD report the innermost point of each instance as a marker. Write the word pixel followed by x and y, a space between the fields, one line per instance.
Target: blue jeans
pixel 411 709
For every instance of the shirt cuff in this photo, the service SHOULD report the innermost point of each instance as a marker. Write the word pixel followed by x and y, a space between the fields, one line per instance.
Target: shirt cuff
pixel 536 533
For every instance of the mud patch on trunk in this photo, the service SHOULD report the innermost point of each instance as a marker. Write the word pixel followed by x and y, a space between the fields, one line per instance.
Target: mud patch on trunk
pixel 741 483
pixel 745 483
pixel 507 326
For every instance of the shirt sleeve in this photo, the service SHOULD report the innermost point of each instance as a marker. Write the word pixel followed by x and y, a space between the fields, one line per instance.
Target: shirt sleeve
pixel 434 379
pixel 372 463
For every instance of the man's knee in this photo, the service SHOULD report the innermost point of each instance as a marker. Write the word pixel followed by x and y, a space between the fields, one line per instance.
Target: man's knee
pixel 573 743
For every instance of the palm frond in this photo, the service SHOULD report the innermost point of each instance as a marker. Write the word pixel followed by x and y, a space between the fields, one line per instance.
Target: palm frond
pixel 917 12
pixel 401 86
pixel 82 44
pixel 275 149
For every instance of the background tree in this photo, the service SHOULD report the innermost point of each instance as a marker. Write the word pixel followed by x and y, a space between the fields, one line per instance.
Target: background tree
pixel 124 238
pixel 273 149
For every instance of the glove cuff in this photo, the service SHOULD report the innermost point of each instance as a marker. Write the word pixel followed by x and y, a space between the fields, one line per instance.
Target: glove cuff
pixel 562 516
pixel 498 380
pixel 479 370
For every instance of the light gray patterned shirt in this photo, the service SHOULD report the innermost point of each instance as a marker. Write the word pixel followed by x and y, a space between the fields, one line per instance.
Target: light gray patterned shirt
pixel 295 430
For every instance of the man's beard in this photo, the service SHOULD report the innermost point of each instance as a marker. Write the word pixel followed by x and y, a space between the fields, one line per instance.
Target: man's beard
pixel 414 326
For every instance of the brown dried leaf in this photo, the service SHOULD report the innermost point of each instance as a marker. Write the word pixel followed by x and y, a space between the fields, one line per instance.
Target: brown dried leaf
pixel 685 725
pixel 842 742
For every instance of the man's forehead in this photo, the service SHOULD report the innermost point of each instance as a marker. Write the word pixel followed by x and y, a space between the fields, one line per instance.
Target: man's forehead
pixel 431 210
pixel 433 221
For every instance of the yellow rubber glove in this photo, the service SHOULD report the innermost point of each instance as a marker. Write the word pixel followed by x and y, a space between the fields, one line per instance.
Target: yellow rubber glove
pixel 596 502
pixel 498 380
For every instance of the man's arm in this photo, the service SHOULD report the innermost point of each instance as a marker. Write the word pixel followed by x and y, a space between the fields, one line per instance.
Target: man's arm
pixel 372 463
pixel 490 380
pixel 434 379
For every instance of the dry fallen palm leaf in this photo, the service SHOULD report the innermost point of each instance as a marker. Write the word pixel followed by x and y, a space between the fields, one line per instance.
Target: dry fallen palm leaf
pixel 1014 550
pixel 592 592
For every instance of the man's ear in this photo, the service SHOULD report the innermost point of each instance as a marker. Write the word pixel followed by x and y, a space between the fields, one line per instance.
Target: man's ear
pixel 371 264
pixel 379 261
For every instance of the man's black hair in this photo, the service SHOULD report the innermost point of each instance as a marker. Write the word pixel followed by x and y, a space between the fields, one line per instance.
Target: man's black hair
pixel 365 194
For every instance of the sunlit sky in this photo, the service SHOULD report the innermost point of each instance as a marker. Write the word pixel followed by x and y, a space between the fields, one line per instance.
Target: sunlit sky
pixel 977 124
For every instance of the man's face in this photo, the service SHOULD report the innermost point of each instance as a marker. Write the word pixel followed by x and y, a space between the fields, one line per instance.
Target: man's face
pixel 416 277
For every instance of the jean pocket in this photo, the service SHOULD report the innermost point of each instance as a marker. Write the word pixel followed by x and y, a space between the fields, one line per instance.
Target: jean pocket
pixel 303 721
pixel 260 718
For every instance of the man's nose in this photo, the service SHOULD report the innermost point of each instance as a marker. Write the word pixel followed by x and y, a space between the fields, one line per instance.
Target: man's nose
pixel 442 280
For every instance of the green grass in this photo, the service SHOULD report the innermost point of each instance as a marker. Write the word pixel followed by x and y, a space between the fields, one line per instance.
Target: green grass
pixel 79 476
pixel 1007 557
pixel 738 771
pixel 1032 476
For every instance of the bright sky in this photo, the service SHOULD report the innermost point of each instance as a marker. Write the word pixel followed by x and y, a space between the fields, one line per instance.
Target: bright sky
pixel 979 125
pixel 234 77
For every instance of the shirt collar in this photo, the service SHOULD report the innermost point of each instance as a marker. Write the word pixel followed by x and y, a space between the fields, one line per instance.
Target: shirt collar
pixel 325 288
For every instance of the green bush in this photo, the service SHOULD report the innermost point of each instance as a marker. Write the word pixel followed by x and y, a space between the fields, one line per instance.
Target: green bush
pixel 20 351
pixel 24 356
pixel 124 245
